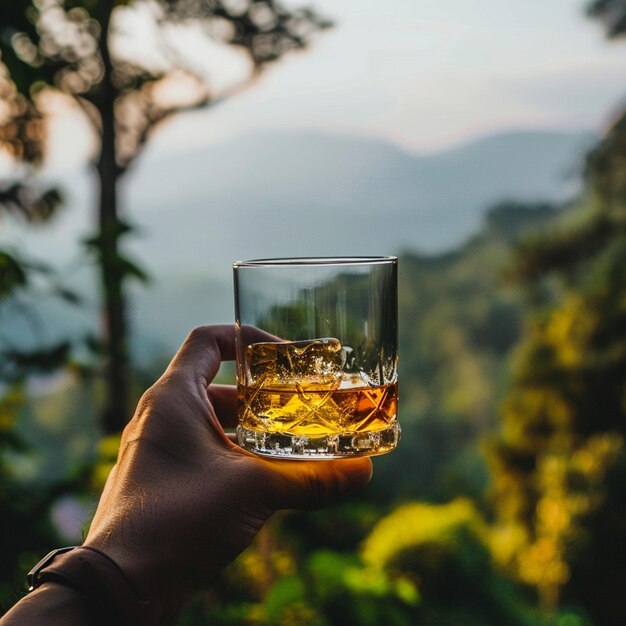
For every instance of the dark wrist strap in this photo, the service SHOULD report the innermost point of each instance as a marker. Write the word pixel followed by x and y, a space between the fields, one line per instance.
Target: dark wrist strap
pixel 98 578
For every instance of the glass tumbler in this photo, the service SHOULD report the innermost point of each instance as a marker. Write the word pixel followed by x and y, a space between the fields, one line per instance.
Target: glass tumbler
pixel 317 356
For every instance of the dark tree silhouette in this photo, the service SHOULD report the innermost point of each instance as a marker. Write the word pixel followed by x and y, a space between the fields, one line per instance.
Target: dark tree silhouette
pixel 612 15
pixel 72 48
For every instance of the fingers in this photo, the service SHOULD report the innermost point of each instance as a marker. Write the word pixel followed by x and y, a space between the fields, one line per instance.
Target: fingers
pixel 224 401
pixel 202 352
pixel 289 484
pixel 313 484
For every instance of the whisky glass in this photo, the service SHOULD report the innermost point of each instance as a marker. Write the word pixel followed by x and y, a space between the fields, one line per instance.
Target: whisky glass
pixel 317 358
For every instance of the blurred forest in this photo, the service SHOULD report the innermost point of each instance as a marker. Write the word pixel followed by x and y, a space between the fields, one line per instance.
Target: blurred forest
pixel 504 503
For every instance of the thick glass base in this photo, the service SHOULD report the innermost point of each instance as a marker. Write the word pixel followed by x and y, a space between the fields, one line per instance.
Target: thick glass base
pixel 326 447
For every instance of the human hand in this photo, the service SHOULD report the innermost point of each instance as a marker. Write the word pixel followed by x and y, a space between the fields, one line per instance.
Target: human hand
pixel 183 499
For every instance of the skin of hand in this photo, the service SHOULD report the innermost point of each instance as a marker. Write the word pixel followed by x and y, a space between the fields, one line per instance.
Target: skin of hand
pixel 183 500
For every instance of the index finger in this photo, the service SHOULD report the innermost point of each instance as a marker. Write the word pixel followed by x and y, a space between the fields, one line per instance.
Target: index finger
pixel 224 401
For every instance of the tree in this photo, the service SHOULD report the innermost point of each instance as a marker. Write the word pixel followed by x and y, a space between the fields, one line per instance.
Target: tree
pixel 26 529
pixel 612 14
pixel 72 48
pixel 559 463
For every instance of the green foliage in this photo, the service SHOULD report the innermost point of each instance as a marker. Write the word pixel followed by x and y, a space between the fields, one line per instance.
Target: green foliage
pixel 286 601
pixel 567 248
pixel 560 449
pixel 22 282
pixel 12 274
pixel 510 219
pixel 24 201
pixel 42 360
pixel 444 551
pixel 410 526
pixel 62 45
pixel 25 530
pixel 458 320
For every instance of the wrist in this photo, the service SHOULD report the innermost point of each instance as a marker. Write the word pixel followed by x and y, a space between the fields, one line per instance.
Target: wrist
pixel 53 605
pixel 101 583
pixel 149 579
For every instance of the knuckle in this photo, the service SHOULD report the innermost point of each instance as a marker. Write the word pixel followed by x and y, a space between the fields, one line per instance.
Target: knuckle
pixel 149 398
pixel 154 401
pixel 200 333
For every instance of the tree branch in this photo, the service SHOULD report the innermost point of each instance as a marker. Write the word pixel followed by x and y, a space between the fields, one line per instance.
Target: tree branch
pixel 159 115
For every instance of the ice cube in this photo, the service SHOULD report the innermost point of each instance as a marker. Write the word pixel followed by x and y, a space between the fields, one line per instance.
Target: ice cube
pixel 316 361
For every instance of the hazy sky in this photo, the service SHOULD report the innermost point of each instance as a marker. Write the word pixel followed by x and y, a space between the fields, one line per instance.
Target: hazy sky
pixel 425 73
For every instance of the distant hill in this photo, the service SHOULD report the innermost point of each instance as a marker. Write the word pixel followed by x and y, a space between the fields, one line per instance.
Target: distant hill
pixel 299 194
pixel 290 194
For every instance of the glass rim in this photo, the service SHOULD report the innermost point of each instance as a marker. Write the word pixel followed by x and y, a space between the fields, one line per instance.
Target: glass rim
pixel 316 261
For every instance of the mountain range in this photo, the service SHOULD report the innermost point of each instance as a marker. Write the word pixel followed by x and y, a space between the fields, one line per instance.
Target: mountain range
pixel 295 194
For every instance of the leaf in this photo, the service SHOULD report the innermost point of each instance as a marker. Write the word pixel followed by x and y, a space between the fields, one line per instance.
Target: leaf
pixel 284 593
pixel 43 360
pixel 94 344
pixel 47 204
pixel 12 274
pixel 38 266
pixel 92 243
pixel 114 230
pixel 130 269
pixel 69 296
pixel 22 200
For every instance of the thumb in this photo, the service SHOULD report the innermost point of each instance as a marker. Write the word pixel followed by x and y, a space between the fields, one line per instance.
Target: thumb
pixel 201 354
pixel 314 484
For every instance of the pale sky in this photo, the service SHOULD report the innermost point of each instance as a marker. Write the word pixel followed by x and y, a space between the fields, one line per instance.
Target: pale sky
pixel 423 73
